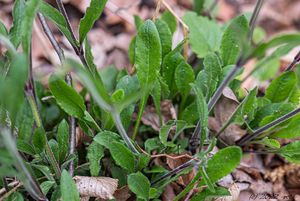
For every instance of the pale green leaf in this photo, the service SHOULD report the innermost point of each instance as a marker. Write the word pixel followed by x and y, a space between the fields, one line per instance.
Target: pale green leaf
pixel 94 155
pixel 139 184
pixel 68 188
pixel 170 19
pixel 63 139
pixel 165 36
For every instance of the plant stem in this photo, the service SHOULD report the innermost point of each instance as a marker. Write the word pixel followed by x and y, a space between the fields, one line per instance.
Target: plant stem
pixel 139 117
pixel 122 132
pixel 174 171
pixel 294 62
pixel 68 78
pixel 253 20
pixel 259 131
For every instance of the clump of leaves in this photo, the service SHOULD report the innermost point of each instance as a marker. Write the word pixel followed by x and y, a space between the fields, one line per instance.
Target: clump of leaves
pixel 39 156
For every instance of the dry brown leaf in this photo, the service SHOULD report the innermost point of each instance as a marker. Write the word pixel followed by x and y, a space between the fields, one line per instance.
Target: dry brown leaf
pixel 122 194
pixel 100 187
pixel 234 190
pixel 223 111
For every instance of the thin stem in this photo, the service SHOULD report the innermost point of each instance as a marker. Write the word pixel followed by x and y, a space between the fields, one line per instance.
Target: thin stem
pixel 139 117
pixel 62 10
pixel 294 62
pixel 174 171
pixel 122 132
pixel 259 131
pixel 68 78
pixel 253 20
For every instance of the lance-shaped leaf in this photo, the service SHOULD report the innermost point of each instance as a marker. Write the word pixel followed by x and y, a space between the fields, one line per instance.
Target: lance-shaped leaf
pixel 67 98
pixel 95 153
pixel 18 16
pixel 57 18
pixel 234 40
pixel 292 130
pixel 63 139
pixel 27 24
pixel 170 19
pixel 205 34
pixel 93 12
pixel 184 75
pixel 68 187
pixel 165 36
pixel 280 89
pixel 147 54
pixel 213 72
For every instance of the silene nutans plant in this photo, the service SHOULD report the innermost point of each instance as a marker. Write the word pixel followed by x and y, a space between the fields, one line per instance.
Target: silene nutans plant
pixel 118 156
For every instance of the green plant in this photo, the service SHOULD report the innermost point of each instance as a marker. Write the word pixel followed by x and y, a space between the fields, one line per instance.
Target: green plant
pixel 38 145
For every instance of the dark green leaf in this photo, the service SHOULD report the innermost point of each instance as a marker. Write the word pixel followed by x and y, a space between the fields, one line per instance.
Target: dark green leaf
pixel 104 138
pixel 94 155
pixel 147 54
pixel 93 12
pixel 184 75
pixel 165 36
pixel 281 87
pixel 68 187
pixel 67 98
pixel 292 130
pixel 139 184
pixel 18 13
pixel 205 34
pixel 122 155
pixel 291 152
pixel 39 140
pixel 63 139
pixel 170 19
pixel 233 40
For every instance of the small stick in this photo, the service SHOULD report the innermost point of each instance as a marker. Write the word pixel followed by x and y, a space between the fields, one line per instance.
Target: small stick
pixel 294 62
pixel 156 13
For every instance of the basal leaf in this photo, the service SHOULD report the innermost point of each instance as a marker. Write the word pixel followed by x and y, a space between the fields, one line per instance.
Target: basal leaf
pixel 281 87
pixel 94 155
pixel 147 54
pixel 39 140
pixel 223 163
pixel 184 75
pixel 67 98
pixel 63 139
pixel 291 152
pixel 122 155
pixel 213 71
pixel 170 19
pixel 139 185
pixel 93 12
pixel 165 36
pixel 104 138
pixel 68 187
pixel 27 24
pixel 292 130
pixel 18 16
pixel 233 40
pixel 205 35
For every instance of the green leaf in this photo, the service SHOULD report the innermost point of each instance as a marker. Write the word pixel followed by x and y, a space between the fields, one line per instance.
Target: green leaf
pixel 93 12
pixel 292 130
pixel 131 51
pixel 165 36
pixel 109 76
pixel 68 187
pixel 164 133
pixel 206 178
pixel 170 19
pixel 137 21
pixel 205 34
pixel 216 169
pixel 94 155
pixel 122 155
pixel 184 75
pixel 250 105
pixel 3 30
pixel 213 72
pixel 139 184
pixel 54 148
pixel 18 13
pixel 25 147
pixel 280 88
pixel 63 139
pixel 268 142
pixel 46 186
pixel 67 98
pixel 169 65
pixel 39 140
pixel 199 6
pixel 27 24
pixel 206 194
pixel 156 95
pixel 190 113
pixel 291 152
pixel 233 40
pixel 104 138
pixel 58 19
pixel 118 96
pixel 147 54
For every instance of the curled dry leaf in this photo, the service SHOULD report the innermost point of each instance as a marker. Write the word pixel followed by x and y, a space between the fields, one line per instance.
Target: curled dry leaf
pixel 100 187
